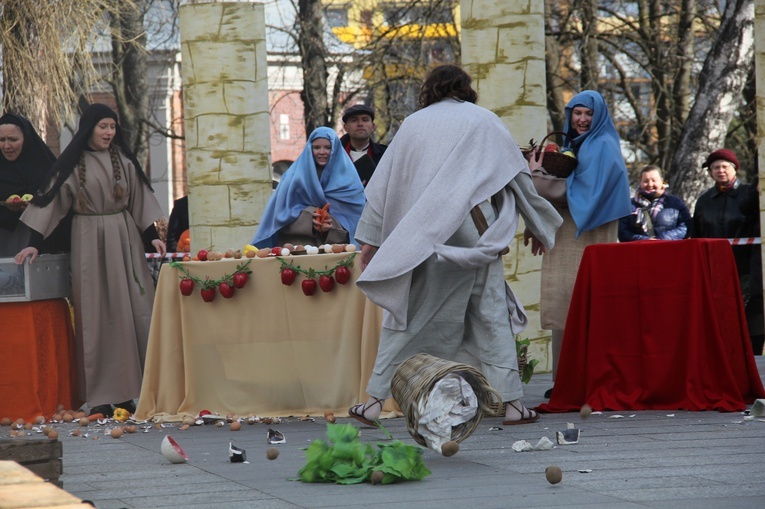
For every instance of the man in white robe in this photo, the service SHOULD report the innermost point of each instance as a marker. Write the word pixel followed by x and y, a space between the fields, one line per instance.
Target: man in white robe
pixel 439 281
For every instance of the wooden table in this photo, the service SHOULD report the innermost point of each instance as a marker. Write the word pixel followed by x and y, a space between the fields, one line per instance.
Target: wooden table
pixel 656 325
pixel 267 351
pixel 20 488
pixel 38 355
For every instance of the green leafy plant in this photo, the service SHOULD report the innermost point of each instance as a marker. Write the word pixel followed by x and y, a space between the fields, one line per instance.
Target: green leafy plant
pixel 344 459
pixel 528 364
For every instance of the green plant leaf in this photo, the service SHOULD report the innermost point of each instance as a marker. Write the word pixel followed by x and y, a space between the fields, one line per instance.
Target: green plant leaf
pixel 344 459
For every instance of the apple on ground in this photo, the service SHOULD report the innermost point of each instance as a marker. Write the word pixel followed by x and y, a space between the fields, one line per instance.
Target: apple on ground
pixel 14 198
pixel 26 197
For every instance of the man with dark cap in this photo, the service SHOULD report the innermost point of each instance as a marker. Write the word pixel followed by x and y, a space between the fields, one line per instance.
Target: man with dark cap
pixel 359 124
pixel 718 214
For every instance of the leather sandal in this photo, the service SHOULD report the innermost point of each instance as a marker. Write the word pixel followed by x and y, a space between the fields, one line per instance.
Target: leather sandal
pixel 358 411
pixel 527 416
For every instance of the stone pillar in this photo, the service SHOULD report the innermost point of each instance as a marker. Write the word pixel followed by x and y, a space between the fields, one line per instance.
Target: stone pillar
pixel 503 49
pixel 759 66
pixel 225 102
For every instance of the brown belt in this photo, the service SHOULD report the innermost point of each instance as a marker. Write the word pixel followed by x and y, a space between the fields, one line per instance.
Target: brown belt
pixel 482 225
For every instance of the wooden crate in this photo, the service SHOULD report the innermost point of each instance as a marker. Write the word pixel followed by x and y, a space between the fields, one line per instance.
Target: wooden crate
pixel 41 456
pixel 20 488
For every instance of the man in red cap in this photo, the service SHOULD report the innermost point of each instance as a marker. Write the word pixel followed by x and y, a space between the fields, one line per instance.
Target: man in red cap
pixel 718 214
pixel 359 124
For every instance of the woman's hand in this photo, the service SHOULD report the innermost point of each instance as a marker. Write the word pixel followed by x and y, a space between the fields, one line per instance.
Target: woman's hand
pixel 16 206
pixel 537 248
pixel 367 252
pixel 159 246
pixel 24 253
pixel 536 159
pixel 319 226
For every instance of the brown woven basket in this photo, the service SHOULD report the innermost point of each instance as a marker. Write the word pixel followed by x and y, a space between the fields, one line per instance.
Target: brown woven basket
pixel 555 163
pixel 415 378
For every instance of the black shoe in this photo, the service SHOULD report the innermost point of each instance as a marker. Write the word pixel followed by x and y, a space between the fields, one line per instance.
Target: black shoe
pixel 548 393
pixel 128 405
pixel 106 410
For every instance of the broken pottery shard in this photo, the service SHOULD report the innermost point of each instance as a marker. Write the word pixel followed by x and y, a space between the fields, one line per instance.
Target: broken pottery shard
pixel 235 454
pixel 522 446
pixel 275 437
pixel 544 444
pixel 172 451
pixel 567 436
pixel 758 408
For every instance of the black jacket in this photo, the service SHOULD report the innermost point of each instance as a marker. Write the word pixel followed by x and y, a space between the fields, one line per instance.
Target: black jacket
pixel 377 151
pixel 718 215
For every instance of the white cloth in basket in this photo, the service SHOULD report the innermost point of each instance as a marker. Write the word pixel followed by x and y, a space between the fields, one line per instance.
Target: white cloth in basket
pixel 450 403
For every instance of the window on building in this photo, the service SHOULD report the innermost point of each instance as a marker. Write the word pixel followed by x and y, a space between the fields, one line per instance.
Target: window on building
pixel 413 14
pixel 284 126
pixel 337 17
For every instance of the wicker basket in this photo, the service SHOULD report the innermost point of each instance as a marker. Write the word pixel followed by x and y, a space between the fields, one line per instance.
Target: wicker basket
pixel 415 378
pixel 555 163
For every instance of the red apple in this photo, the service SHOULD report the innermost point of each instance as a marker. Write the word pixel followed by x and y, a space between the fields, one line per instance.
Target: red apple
pixel 226 290
pixel 187 286
pixel 208 294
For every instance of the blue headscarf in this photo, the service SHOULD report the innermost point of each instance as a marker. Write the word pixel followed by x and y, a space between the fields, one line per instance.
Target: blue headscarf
pixel 598 190
pixel 300 187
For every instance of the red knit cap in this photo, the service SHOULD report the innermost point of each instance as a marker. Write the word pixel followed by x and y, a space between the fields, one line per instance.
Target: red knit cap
pixel 724 154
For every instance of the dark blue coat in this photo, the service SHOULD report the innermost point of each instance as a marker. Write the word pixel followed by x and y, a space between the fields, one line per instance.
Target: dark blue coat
pixel 673 222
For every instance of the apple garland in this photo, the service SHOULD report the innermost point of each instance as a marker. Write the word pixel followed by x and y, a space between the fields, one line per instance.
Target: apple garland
pixel 226 285
pixel 340 273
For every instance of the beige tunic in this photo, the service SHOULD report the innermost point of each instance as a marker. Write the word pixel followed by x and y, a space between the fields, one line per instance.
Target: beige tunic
pixel 112 289
pixel 561 264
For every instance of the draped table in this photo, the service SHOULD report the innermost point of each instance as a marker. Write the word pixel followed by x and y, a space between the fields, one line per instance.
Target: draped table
pixel 267 351
pixel 656 325
pixel 38 356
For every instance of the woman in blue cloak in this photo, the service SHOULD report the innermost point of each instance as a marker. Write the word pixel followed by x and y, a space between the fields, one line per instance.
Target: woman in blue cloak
pixel 322 177
pixel 591 201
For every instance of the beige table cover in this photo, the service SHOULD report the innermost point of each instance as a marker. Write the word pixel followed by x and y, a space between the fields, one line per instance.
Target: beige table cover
pixel 268 351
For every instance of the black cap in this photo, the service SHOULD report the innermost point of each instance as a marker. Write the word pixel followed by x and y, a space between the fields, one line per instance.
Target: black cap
pixel 358 109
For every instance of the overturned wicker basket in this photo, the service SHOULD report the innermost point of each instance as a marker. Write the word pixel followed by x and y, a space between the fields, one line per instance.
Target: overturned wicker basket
pixel 555 163
pixel 414 379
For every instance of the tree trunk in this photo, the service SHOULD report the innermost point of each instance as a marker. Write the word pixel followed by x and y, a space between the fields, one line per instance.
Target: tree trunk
pixel 129 78
pixel 313 54
pixel 556 85
pixel 589 50
pixel 681 95
pixel 721 83
pixel 651 26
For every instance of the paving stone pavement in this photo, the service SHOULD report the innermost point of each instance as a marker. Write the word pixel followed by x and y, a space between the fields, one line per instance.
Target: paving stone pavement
pixel 646 459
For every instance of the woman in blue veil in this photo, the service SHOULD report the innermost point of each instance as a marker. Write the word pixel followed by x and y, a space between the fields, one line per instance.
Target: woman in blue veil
pixel 322 174
pixel 591 201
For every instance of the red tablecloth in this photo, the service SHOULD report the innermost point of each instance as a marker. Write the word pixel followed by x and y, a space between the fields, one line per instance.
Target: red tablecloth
pixel 37 353
pixel 656 325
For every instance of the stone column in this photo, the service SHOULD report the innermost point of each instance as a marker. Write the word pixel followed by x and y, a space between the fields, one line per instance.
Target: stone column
pixel 503 49
pixel 225 102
